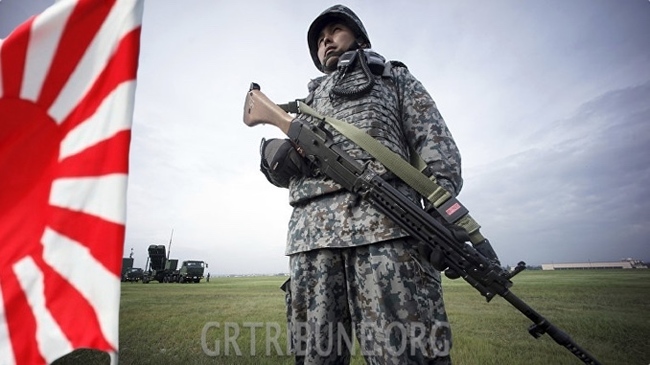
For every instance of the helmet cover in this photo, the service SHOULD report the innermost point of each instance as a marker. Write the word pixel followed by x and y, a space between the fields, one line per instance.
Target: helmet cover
pixel 336 13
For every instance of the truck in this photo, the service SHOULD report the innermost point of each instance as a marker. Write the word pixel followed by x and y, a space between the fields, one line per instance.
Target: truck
pixel 134 274
pixel 191 271
pixel 162 269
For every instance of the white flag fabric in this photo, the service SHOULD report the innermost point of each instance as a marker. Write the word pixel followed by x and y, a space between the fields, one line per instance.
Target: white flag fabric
pixel 67 84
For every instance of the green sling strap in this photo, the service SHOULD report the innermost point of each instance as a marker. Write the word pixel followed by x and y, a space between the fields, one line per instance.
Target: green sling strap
pixel 442 200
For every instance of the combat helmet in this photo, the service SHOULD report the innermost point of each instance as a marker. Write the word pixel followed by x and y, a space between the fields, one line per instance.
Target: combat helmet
pixel 340 13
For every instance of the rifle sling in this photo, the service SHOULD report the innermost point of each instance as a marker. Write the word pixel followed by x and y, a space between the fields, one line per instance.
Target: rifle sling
pixel 443 201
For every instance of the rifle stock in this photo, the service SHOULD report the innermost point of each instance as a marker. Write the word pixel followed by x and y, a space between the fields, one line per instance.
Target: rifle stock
pixel 486 277
pixel 259 109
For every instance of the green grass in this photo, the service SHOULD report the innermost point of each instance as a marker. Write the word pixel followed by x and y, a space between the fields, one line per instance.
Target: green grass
pixel 606 312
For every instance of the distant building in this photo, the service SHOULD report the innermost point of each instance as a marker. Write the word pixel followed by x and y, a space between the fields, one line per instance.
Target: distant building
pixel 623 264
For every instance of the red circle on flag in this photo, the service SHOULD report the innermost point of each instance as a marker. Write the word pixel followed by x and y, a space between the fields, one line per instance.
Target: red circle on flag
pixel 29 148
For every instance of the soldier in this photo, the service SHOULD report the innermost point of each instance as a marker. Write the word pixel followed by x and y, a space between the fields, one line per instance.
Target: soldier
pixel 354 271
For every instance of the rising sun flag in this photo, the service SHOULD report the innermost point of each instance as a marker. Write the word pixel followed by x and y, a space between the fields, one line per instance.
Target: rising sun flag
pixel 67 85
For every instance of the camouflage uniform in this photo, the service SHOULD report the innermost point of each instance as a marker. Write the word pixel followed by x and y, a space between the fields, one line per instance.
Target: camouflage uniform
pixel 352 268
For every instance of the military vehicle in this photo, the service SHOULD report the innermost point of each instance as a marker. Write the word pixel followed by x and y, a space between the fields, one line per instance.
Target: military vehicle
pixel 133 274
pixel 164 270
pixel 127 265
pixel 191 271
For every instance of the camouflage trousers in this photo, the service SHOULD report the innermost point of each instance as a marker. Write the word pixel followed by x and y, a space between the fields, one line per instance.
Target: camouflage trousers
pixel 383 294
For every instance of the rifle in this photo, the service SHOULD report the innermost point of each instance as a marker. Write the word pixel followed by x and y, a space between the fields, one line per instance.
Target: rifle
pixel 484 275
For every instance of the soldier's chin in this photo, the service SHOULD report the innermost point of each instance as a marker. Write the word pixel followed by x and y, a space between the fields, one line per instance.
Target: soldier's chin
pixel 330 62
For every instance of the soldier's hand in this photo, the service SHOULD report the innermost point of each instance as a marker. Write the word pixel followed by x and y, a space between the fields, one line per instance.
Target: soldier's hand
pixel 437 260
pixel 485 248
pixel 280 161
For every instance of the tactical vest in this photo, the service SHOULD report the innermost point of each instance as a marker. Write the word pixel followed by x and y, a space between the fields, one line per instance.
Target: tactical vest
pixel 325 215
pixel 377 112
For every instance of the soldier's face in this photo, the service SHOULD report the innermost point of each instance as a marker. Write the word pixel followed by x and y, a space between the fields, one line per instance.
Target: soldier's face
pixel 334 40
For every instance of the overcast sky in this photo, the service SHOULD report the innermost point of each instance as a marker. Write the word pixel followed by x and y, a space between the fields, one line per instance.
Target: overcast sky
pixel 549 103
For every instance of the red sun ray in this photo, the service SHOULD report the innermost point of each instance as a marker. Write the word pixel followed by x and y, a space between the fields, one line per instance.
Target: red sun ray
pixel 12 60
pixel 121 67
pixel 20 320
pixel 96 234
pixel 83 328
pixel 99 159
pixel 82 26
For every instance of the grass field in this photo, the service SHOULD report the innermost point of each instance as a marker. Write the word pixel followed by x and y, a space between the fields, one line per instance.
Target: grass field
pixel 606 312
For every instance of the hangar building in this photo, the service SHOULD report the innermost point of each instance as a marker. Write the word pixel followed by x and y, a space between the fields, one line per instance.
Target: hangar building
pixel 623 264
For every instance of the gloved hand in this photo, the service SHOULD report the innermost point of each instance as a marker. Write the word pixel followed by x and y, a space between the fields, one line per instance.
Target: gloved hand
pixel 280 162
pixel 484 248
pixel 437 258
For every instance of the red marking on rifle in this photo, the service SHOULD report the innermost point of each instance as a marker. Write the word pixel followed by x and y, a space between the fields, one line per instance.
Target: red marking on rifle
pixel 451 210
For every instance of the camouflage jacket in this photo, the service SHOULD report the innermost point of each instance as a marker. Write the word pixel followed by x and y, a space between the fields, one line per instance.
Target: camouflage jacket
pixel 400 113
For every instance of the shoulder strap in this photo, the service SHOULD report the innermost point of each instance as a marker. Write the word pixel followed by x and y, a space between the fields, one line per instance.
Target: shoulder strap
pixel 442 200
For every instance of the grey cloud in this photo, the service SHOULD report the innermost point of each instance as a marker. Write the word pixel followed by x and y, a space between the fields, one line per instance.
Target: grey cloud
pixel 579 192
